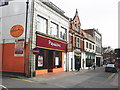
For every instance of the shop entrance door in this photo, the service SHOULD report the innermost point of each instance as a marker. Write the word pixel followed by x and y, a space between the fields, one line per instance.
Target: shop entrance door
pixel 50 61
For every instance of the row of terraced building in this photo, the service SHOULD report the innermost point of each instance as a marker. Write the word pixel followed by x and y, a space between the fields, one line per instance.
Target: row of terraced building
pixel 37 38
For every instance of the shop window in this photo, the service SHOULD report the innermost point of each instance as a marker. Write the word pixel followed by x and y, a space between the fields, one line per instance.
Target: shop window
pixel 40 60
pixel 58 60
pixel 88 63
pixel 54 29
pixel 41 24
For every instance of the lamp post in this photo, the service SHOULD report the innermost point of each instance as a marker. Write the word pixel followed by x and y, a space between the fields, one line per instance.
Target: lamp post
pixel 26 65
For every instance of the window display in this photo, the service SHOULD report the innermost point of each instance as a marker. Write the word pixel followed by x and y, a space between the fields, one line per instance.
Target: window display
pixel 40 61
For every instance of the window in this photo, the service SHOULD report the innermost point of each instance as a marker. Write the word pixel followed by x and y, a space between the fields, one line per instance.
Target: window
pixel 78 41
pixel 54 30
pixel 70 25
pixel 75 42
pixel 86 44
pixel 63 33
pixel 93 47
pixel 41 24
pixel 90 46
pixel 40 60
pixel 3 3
pixel 58 59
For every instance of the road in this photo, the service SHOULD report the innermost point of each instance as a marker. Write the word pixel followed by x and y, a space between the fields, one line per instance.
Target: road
pixel 83 79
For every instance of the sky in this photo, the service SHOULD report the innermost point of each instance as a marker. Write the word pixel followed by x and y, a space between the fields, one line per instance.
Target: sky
pixel 98 14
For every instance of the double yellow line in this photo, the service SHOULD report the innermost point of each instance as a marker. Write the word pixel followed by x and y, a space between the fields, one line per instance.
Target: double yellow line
pixel 22 79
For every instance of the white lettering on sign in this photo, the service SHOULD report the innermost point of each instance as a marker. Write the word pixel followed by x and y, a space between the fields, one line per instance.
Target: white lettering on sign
pixel 54 44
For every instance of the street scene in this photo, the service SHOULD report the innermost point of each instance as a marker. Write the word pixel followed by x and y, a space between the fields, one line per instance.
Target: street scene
pixel 59 44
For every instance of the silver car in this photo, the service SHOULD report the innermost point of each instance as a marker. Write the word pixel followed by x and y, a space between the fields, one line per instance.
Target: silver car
pixel 110 68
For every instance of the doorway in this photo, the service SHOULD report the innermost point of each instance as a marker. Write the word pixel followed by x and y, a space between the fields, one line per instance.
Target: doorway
pixel 50 61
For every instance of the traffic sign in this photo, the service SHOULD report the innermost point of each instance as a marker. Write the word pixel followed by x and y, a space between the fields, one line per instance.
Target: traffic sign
pixel 36 51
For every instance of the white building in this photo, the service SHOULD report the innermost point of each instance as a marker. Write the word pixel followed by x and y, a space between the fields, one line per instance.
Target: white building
pixel 98 47
pixel 47 29
pixel 88 55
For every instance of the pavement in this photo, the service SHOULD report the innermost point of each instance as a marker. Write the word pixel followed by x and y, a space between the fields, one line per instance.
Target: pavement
pixel 50 75
pixel 56 75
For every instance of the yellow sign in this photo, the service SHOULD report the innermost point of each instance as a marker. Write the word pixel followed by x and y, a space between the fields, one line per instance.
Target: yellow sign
pixel 78 55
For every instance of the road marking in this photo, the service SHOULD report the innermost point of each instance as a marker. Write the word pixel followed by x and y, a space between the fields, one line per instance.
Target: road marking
pixel 22 79
pixel 3 87
pixel 111 76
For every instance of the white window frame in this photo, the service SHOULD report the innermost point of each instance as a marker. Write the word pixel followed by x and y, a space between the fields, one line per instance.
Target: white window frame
pixel 54 29
pixel 42 24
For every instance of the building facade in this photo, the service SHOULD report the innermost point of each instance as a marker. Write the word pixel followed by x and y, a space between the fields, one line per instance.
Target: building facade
pixel 98 45
pixel 88 55
pixel 74 52
pixel 44 27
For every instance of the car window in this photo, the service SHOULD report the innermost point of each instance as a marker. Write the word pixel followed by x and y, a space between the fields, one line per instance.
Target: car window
pixel 110 65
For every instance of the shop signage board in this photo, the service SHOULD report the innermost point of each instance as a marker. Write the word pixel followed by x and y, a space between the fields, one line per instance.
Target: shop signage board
pixel 36 51
pixel 16 31
pixel 49 43
pixel 19 47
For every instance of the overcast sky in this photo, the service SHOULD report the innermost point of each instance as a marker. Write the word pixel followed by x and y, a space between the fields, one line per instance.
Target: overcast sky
pixel 99 14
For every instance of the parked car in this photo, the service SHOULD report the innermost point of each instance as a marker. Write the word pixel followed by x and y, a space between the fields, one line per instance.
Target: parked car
pixel 110 68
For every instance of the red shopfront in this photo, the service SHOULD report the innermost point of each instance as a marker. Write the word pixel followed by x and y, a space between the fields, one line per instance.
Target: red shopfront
pixel 51 55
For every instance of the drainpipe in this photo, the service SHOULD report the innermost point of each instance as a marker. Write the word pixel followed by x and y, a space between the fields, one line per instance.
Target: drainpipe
pixel 3 53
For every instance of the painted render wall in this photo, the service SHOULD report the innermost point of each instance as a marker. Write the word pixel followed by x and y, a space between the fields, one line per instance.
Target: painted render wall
pixel 13 14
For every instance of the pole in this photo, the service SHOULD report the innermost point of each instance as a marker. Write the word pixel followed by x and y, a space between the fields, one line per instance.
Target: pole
pixel 26 65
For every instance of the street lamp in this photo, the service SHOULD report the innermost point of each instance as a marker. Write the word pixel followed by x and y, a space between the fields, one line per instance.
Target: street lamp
pixel 26 69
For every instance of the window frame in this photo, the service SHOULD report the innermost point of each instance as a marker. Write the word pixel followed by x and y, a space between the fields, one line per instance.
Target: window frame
pixel 46 27
pixel 53 23
pixel 63 36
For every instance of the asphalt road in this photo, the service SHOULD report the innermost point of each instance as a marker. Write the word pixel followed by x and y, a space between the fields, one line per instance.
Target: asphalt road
pixel 83 79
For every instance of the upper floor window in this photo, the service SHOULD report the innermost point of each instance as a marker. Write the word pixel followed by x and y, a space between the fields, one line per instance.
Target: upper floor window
pixel 63 33
pixel 3 2
pixel 75 42
pixel 78 41
pixel 86 44
pixel 42 24
pixel 93 47
pixel 90 46
pixel 54 29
